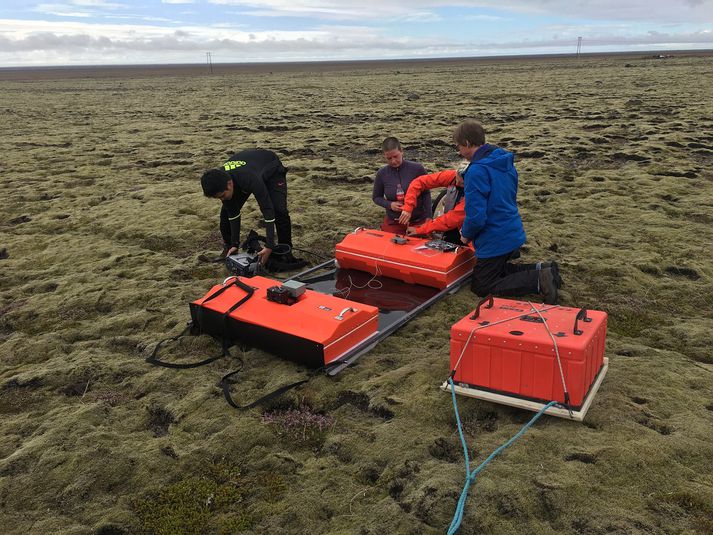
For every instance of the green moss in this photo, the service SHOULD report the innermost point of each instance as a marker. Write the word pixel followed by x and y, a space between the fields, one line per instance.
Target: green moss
pixel 231 524
pixel 161 243
pixel 194 505
pixel 631 323
pixel 274 487
pixel 685 506
pixel 106 261
pixel 689 502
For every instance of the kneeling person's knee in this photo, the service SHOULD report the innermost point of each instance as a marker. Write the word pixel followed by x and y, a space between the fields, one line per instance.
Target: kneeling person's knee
pixel 480 287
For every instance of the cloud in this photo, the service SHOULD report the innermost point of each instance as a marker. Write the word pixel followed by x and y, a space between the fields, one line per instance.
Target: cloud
pixel 98 3
pixel 631 10
pixel 88 8
pixel 485 18
pixel 337 30
pixel 421 16
pixel 606 42
pixel 61 10
pixel 79 43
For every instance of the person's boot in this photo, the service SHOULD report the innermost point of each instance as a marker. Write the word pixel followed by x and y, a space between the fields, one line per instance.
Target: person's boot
pixel 555 271
pixel 295 263
pixel 556 274
pixel 547 285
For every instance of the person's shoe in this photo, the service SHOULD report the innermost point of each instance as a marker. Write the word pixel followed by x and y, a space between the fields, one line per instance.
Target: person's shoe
pixel 556 274
pixel 547 285
pixel 554 267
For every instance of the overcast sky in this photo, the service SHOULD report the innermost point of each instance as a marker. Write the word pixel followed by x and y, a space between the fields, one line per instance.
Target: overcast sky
pixel 89 32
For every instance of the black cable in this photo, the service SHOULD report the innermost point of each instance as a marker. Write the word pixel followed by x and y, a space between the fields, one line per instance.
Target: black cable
pixel 281 248
pixel 312 253
pixel 262 270
pixel 225 383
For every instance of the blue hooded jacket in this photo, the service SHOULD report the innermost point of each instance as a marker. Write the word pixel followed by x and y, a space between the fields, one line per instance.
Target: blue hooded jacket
pixel 492 220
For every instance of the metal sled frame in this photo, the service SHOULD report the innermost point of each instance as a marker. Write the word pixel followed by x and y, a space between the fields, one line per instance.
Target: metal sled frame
pixel 520 403
pixel 387 323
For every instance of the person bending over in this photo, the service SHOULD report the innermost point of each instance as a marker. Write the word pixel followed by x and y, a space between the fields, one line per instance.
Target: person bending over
pixel 390 186
pixel 492 221
pixel 257 172
pixel 453 204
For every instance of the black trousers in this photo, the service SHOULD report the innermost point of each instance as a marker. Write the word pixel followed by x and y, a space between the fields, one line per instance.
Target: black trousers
pixel 498 276
pixel 277 188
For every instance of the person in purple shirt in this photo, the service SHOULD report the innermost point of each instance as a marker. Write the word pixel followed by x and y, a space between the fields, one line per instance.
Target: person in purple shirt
pixel 390 186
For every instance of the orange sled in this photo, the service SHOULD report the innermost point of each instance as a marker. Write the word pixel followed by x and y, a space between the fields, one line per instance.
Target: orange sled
pixel 324 318
pixel 409 259
pixel 313 328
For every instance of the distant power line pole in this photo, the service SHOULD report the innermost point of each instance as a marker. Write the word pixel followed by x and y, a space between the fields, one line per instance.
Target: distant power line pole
pixel 210 61
pixel 579 46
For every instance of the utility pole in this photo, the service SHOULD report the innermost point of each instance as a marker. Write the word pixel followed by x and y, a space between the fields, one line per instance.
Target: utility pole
pixel 579 46
pixel 210 62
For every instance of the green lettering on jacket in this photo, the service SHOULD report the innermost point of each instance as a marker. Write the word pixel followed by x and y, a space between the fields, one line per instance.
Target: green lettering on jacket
pixel 233 164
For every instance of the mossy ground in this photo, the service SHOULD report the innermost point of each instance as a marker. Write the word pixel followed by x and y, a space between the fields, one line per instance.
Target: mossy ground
pixel 103 222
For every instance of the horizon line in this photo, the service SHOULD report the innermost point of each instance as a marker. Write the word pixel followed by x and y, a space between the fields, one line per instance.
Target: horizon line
pixel 654 52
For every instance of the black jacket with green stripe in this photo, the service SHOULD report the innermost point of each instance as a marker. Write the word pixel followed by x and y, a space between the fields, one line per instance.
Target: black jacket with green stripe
pixel 251 171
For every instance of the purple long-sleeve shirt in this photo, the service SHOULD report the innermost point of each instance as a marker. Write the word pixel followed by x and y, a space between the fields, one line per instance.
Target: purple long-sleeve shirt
pixel 387 179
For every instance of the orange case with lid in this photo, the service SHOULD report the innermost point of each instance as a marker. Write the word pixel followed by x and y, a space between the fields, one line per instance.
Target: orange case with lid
pixel 508 350
pixel 375 252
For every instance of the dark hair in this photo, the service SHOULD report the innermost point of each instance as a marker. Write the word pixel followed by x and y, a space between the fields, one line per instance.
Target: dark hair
pixel 391 143
pixel 469 132
pixel 214 181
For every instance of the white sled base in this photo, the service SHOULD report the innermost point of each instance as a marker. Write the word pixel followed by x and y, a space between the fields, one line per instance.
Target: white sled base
pixel 520 403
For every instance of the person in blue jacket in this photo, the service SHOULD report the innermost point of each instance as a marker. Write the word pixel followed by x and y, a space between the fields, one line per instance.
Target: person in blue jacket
pixel 493 223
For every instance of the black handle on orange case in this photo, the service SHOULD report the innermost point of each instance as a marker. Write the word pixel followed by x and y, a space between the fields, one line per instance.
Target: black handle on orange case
pixel 489 299
pixel 581 315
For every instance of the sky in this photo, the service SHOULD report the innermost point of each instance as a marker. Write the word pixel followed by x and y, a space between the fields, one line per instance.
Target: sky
pixel 105 32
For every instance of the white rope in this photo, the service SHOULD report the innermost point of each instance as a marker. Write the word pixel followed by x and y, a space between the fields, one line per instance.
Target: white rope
pixel 490 325
pixel 557 351
pixel 377 284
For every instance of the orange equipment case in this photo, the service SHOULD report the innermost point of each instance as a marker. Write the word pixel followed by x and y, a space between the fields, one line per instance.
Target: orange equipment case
pixel 315 329
pixel 506 348
pixel 412 261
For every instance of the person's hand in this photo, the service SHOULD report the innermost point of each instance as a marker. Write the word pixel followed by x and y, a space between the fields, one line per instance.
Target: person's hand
pixel 232 250
pixel 263 254
pixel 396 206
pixel 411 231
pixel 465 240
pixel 405 217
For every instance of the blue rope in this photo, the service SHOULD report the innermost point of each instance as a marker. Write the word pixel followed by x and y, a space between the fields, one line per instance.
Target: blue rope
pixel 470 475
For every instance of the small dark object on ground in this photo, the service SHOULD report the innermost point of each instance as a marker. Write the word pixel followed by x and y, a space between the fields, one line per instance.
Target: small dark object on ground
pixel 20 220
pixel 689 273
pixel 4 254
pixel 214 259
